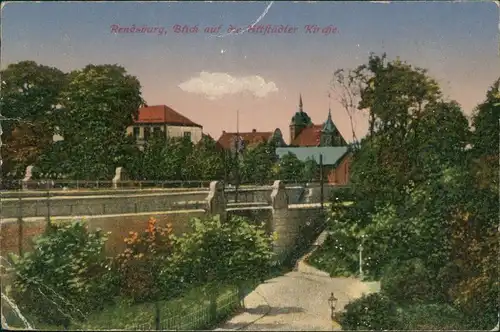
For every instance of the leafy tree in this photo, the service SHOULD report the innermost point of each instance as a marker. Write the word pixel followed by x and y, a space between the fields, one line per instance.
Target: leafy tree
pixel 256 164
pixel 485 149
pixel 151 164
pixel 66 276
pixel 98 104
pixel 442 138
pixel 396 95
pixel 29 92
pixel 231 167
pixel 53 163
pixel 291 168
pixel 485 123
pixel 417 227
pixel 424 203
pixel 370 172
pixel 409 282
pixel 207 160
pixel 477 290
pixel 311 170
pixel 473 266
pixel 164 159
pixel 475 239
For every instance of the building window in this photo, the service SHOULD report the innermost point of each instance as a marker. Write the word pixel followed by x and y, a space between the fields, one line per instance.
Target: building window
pixel 187 134
pixel 157 131
pixel 147 133
pixel 136 132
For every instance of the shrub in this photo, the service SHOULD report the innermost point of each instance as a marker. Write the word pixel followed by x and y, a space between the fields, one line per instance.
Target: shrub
pixel 410 282
pixel 66 276
pixel 339 253
pixel 141 262
pixel 431 317
pixel 231 252
pixel 342 194
pixel 371 312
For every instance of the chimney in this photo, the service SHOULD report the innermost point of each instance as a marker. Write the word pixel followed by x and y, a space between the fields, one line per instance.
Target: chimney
pixel 223 132
pixel 254 130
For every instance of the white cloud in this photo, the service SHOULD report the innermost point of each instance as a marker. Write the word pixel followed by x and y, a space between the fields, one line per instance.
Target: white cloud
pixel 217 85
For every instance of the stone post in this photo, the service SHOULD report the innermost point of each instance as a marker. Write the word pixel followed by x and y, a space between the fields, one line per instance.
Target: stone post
pixel 120 176
pixel 312 194
pixel 27 178
pixel 216 200
pixel 280 221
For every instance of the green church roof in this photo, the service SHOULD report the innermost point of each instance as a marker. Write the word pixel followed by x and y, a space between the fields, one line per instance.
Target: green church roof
pixel 329 126
pixel 301 118
pixel 331 154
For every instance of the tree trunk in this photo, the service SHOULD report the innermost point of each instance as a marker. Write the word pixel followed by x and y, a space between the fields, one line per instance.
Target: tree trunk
pixel 213 294
pixel 241 294
pixel 157 316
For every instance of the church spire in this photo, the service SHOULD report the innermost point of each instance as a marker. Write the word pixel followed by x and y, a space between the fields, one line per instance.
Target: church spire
pixel 328 126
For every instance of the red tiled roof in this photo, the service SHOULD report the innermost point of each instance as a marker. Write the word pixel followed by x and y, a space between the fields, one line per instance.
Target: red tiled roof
pixel 254 137
pixel 163 114
pixel 309 136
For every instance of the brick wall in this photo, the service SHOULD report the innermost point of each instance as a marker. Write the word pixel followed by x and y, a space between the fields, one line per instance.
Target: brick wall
pixel 119 226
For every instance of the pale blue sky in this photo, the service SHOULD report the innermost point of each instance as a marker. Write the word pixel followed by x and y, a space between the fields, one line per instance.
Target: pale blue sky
pixel 456 41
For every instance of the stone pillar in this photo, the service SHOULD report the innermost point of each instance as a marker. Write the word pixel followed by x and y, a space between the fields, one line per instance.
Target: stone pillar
pixel 282 223
pixel 120 176
pixel 216 200
pixel 27 177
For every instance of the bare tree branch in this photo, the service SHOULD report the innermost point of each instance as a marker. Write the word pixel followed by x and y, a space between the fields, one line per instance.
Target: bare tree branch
pixel 346 87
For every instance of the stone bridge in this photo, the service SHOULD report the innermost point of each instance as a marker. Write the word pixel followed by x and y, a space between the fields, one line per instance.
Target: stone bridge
pixel 292 212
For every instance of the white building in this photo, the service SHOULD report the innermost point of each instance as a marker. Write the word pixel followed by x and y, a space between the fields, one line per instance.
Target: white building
pixel 161 119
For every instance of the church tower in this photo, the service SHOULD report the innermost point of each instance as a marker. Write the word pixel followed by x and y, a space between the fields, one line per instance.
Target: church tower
pixel 299 121
pixel 330 135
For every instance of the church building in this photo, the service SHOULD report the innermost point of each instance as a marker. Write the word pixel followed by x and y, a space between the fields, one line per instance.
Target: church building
pixel 309 141
pixel 304 133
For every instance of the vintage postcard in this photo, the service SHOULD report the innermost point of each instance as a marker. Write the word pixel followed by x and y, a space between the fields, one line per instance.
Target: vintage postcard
pixel 244 165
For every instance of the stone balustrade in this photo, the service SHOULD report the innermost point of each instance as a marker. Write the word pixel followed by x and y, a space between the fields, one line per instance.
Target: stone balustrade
pixel 122 212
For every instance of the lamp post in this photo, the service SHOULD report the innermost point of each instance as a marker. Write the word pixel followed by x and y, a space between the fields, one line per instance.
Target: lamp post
pixel 238 148
pixel 361 257
pixel 321 181
pixel 332 303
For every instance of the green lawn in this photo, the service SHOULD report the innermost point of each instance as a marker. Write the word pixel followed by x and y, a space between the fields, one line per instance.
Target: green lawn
pixel 189 312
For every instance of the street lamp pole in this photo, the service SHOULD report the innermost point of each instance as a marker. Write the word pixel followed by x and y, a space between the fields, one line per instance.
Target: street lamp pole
pixel 321 182
pixel 361 258
pixel 332 303
pixel 361 261
pixel 238 146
